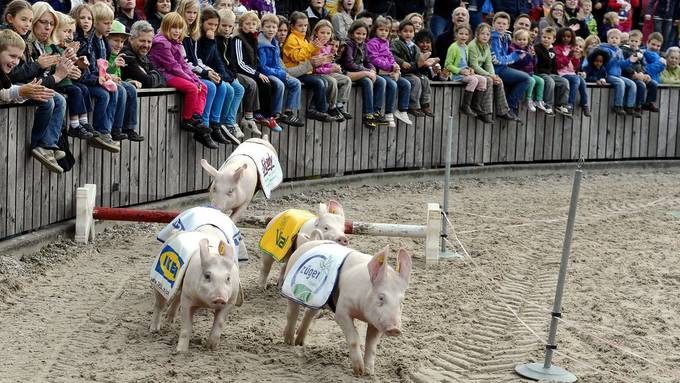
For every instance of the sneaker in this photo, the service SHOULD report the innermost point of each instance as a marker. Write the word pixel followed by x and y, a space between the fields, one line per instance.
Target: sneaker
pixel 637 112
pixel 346 115
pixel 59 154
pixel 390 120
pixel 380 118
pixel 205 140
pixel 427 111
pixel 336 115
pixel 229 132
pixel 104 141
pixel 118 135
pixel 237 130
pixel 531 105
pixel 313 114
pixel 250 125
pixel 370 121
pixel 291 119
pixel 46 157
pixel 486 118
pixel 416 112
pixel 79 132
pixel 542 106
pixel 403 117
pixel 561 109
pixel 273 125
pixel 619 110
pixel 650 107
pixel 260 119
pixel 90 130
pixel 509 116
pixel 585 109
pixel 133 135
pixel 216 134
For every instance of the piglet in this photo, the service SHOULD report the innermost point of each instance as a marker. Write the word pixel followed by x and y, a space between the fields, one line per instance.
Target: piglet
pixel 210 281
pixel 368 290
pixel 330 222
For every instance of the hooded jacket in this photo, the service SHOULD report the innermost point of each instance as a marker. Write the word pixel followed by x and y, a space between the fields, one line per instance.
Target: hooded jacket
pixel 545 60
pixel 270 62
pixel 297 49
pixel 653 64
pixel 379 54
pixel 353 57
pixel 222 46
pixel 167 57
pixel 500 50
pixel 616 62
pixel 566 63
pixel 206 50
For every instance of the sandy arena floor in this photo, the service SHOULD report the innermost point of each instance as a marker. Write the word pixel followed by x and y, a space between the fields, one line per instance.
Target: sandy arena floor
pixel 74 313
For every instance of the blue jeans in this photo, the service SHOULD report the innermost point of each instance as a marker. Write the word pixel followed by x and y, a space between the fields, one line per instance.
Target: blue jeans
pixel 438 25
pixel 292 97
pixel 126 107
pixel 373 94
pixel 232 100
pixel 516 82
pixel 576 83
pixel 646 92
pixel 213 101
pixel 319 89
pixel 623 87
pixel 78 98
pixel 391 94
pixel 47 121
pixel 104 108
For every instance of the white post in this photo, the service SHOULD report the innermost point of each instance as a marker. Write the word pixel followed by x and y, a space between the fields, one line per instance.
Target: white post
pixel 432 229
pixel 85 201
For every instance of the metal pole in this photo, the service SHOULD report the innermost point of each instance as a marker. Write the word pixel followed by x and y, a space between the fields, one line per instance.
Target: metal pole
pixel 447 177
pixel 564 263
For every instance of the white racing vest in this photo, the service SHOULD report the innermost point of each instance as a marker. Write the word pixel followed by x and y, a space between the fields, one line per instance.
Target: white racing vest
pixel 313 276
pixel 194 218
pixel 172 261
pixel 266 161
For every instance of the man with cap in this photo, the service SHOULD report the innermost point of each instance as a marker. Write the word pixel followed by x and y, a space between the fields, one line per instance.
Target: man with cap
pixel 125 119
pixel 135 53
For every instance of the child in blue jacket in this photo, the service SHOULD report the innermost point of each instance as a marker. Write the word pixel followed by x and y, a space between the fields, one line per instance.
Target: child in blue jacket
pixel 516 81
pixel 622 86
pixel 271 64
pixel 654 63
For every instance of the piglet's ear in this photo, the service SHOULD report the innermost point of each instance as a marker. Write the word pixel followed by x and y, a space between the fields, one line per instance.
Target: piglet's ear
pixel 227 252
pixel 205 253
pixel 334 207
pixel 208 168
pixel 316 235
pixel 323 209
pixel 377 265
pixel 239 172
pixel 404 264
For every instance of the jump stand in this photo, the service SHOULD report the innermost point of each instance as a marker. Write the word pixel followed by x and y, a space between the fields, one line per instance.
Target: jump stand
pixel 87 213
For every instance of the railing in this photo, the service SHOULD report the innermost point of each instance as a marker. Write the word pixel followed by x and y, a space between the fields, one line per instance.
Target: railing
pixel 167 163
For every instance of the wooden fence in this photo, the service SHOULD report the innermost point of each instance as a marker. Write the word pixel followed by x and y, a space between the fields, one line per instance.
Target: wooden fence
pixel 167 163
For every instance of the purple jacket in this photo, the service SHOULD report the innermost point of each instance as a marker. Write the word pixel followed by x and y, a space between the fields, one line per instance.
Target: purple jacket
pixel 353 57
pixel 167 57
pixel 526 64
pixel 328 67
pixel 379 54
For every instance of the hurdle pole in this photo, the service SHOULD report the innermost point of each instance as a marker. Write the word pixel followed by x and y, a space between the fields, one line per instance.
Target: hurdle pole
pixel 546 370
pixel 443 252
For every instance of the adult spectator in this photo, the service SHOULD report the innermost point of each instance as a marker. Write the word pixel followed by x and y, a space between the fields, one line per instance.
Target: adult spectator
pixel 522 21
pixel 460 16
pixel 126 13
pixel 511 7
pixel 156 9
pixel 381 7
pixel 666 16
pixel 138 67
pixel 441 16
pixel 315 12
pixel 555 18
pixel 576 23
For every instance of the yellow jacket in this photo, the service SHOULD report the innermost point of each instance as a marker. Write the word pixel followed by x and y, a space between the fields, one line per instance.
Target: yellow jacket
pixel 297 50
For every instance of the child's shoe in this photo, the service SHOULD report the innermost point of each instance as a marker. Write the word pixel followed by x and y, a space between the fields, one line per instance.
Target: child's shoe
pixel 336 115
pixel 650 107
pixel 237 131
pixel 403 116
pixel 531 105
pixel 542 106
pixel 90 129
pixel 216 134
pixel 133 135
pixel 619 110
pixel 427 110
pixel 79 132
pixel 118 135
pixel 585 109
pixel 205 140
pixel 380 118
pixel 390 120
pixel 291 119
pixel 416 112
pixel 273 125
pixel 229 132
pixel 370 121
pixel 342 111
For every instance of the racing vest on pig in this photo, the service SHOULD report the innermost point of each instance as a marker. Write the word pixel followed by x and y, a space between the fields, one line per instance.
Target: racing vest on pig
pixel 314 275
pixel 180 240
pixel 279 238
pixel 269 170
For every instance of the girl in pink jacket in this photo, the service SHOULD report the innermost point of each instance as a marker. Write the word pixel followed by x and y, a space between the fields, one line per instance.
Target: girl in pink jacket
pixel 568 63
pixel 166 56
pixel 339 85
pixel 379 54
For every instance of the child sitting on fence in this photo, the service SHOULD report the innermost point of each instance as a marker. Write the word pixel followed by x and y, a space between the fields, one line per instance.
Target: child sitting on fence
pixel 596 68
pixel 379 54
pixel 479 56
pixel 339 85
pixel 520 43
pixel 671 75
pixel 424 41
pixel 78 101
pixel 654 63
pixel 646 86
pixel 623 87
pixel 354 61
pixel 166 56
pixel 125 121
pixel 457 62
pixel 408 56
pixel 271 64
pixel 568 60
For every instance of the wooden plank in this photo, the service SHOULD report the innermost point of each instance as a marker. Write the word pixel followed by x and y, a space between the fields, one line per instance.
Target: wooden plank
pixel 662 134
pixel 557 131
pixel 478 128
pixel 503 141
pixel 671 132
pixel 530 136
pixel 45 190
pixel 4 162
pixel 308 151
pixel 12 143
pixel 580 146
pixel 339 146
pixel 606 126
pixel 438 94
pixel 150 146
pixel 653 130
pixel 567 133
pixel 161 148
pixel 23 150
pixel 495 140
pixel 511 139
pixel 52 198
pixel 172 155
pixel 626 139
pixel 105 185
pixel 458 156
pixel 302 148
pixel 125 177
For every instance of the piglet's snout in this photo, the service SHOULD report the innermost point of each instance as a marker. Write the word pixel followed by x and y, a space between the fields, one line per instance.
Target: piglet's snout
pixel 393 331
pixel 219 301
pixel 342 240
